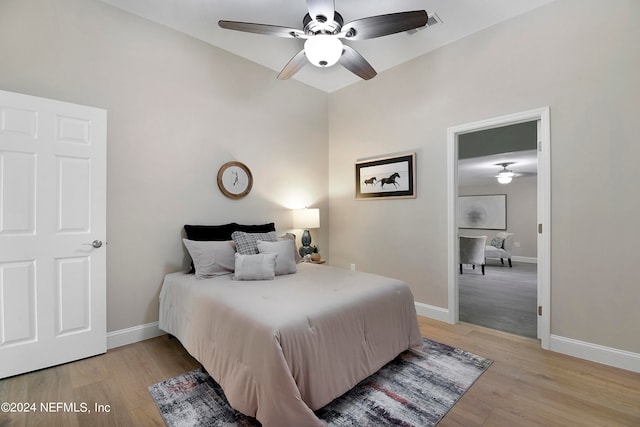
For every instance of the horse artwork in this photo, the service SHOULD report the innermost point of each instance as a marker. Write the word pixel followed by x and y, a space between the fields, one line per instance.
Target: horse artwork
pixel 386 177
pixel 390 180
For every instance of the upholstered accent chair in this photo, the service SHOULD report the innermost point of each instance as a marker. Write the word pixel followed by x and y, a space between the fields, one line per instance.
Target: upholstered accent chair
pixel 501 247
pixel 472 251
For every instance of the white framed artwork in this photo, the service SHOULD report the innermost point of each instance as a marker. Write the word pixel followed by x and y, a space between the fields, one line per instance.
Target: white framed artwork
pixel 486 212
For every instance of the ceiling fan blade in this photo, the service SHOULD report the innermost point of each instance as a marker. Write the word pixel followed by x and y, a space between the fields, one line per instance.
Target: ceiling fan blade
pixel 269 30
pixel 383 25
pixel 354 62
pixel 324 8
pixel 293 66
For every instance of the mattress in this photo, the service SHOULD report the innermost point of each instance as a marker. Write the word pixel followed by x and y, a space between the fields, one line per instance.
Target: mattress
pixel 283 348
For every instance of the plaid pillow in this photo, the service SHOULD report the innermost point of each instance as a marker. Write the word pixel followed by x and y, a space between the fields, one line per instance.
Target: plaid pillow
pixel 247 243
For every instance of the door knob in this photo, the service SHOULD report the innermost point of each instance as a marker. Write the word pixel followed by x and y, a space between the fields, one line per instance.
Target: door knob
pixel 96 244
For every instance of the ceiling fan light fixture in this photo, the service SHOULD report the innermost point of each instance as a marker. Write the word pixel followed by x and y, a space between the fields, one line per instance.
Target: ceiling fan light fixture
pixel 323 50
pixel 505 178
pixel 505 175
pixel 323 29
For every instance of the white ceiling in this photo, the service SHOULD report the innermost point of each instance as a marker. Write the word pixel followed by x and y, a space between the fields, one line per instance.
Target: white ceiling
pixel 199 18
pixel 483 170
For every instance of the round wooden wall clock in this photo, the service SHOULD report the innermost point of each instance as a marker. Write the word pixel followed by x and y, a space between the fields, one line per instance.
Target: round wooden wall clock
pixel 235 180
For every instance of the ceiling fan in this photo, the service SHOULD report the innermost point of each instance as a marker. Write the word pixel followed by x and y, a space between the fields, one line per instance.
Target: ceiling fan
pixel 505 175
pixel 323 27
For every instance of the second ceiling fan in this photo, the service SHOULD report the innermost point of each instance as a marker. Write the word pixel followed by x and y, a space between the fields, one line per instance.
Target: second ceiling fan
pixel 323 28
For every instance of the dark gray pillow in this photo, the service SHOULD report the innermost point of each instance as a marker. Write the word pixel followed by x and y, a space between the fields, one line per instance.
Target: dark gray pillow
pixel 223 232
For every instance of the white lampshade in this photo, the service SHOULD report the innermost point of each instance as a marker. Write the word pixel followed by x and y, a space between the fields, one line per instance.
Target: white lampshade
pixel 323 50
pixel 306 218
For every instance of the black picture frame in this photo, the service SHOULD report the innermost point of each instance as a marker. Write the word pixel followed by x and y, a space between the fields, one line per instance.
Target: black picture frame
pixel 390 177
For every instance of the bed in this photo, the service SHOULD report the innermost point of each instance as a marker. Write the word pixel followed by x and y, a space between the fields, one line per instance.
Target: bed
pixel 284 347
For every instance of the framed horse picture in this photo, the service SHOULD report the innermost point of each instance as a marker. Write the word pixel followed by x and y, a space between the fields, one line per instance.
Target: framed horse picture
pixel 386 177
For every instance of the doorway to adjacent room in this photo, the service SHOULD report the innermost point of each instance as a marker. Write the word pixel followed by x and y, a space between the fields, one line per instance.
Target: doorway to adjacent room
pixel 540 117
pixel 505 298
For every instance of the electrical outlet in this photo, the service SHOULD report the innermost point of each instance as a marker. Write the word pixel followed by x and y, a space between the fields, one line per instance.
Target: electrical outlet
pixel 353 267
pixel 516 244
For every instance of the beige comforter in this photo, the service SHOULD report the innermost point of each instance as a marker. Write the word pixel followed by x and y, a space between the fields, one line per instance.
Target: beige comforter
pixel 283 348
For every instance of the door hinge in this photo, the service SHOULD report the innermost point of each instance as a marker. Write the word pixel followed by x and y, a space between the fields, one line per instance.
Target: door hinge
pixel 539 145
pixel 539 228
pixel 539 310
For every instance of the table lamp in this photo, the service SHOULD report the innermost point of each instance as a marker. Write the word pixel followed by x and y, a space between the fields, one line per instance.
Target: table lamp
pixel 306 219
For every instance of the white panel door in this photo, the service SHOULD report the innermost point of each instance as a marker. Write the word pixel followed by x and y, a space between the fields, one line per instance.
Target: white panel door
pixel 52 229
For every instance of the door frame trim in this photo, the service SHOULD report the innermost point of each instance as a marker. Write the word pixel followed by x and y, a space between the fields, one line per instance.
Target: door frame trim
pixel 542 116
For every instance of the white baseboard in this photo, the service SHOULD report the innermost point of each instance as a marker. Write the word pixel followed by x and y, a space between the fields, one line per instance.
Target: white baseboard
pixel 525 259
pixel 433 312
pixel 584 350
pixel 596 353
pixel 133 335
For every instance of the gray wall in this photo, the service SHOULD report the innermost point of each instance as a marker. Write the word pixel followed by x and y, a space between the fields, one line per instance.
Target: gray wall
pixel 521 213
pixel 580 58
pixel 177 110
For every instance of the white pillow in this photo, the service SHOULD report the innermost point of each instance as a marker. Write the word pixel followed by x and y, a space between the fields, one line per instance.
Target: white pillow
pixel 211 258
pixel 291 236
pixel 286 260
pixel 255 267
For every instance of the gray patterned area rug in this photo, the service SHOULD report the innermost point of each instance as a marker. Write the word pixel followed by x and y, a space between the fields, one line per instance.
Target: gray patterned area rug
pixel 416 389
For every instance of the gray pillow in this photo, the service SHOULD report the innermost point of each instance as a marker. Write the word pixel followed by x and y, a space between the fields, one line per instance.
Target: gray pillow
pixel 212 258
pixel 246 243
pixel 291 236
pixel 497 242
pixel 286 249
pixel 255 267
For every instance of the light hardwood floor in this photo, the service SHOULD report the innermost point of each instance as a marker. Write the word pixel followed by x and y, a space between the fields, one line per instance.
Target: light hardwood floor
pixel 525 386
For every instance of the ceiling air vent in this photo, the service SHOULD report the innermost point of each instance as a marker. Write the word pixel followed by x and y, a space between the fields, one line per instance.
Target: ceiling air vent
pixel 433 20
